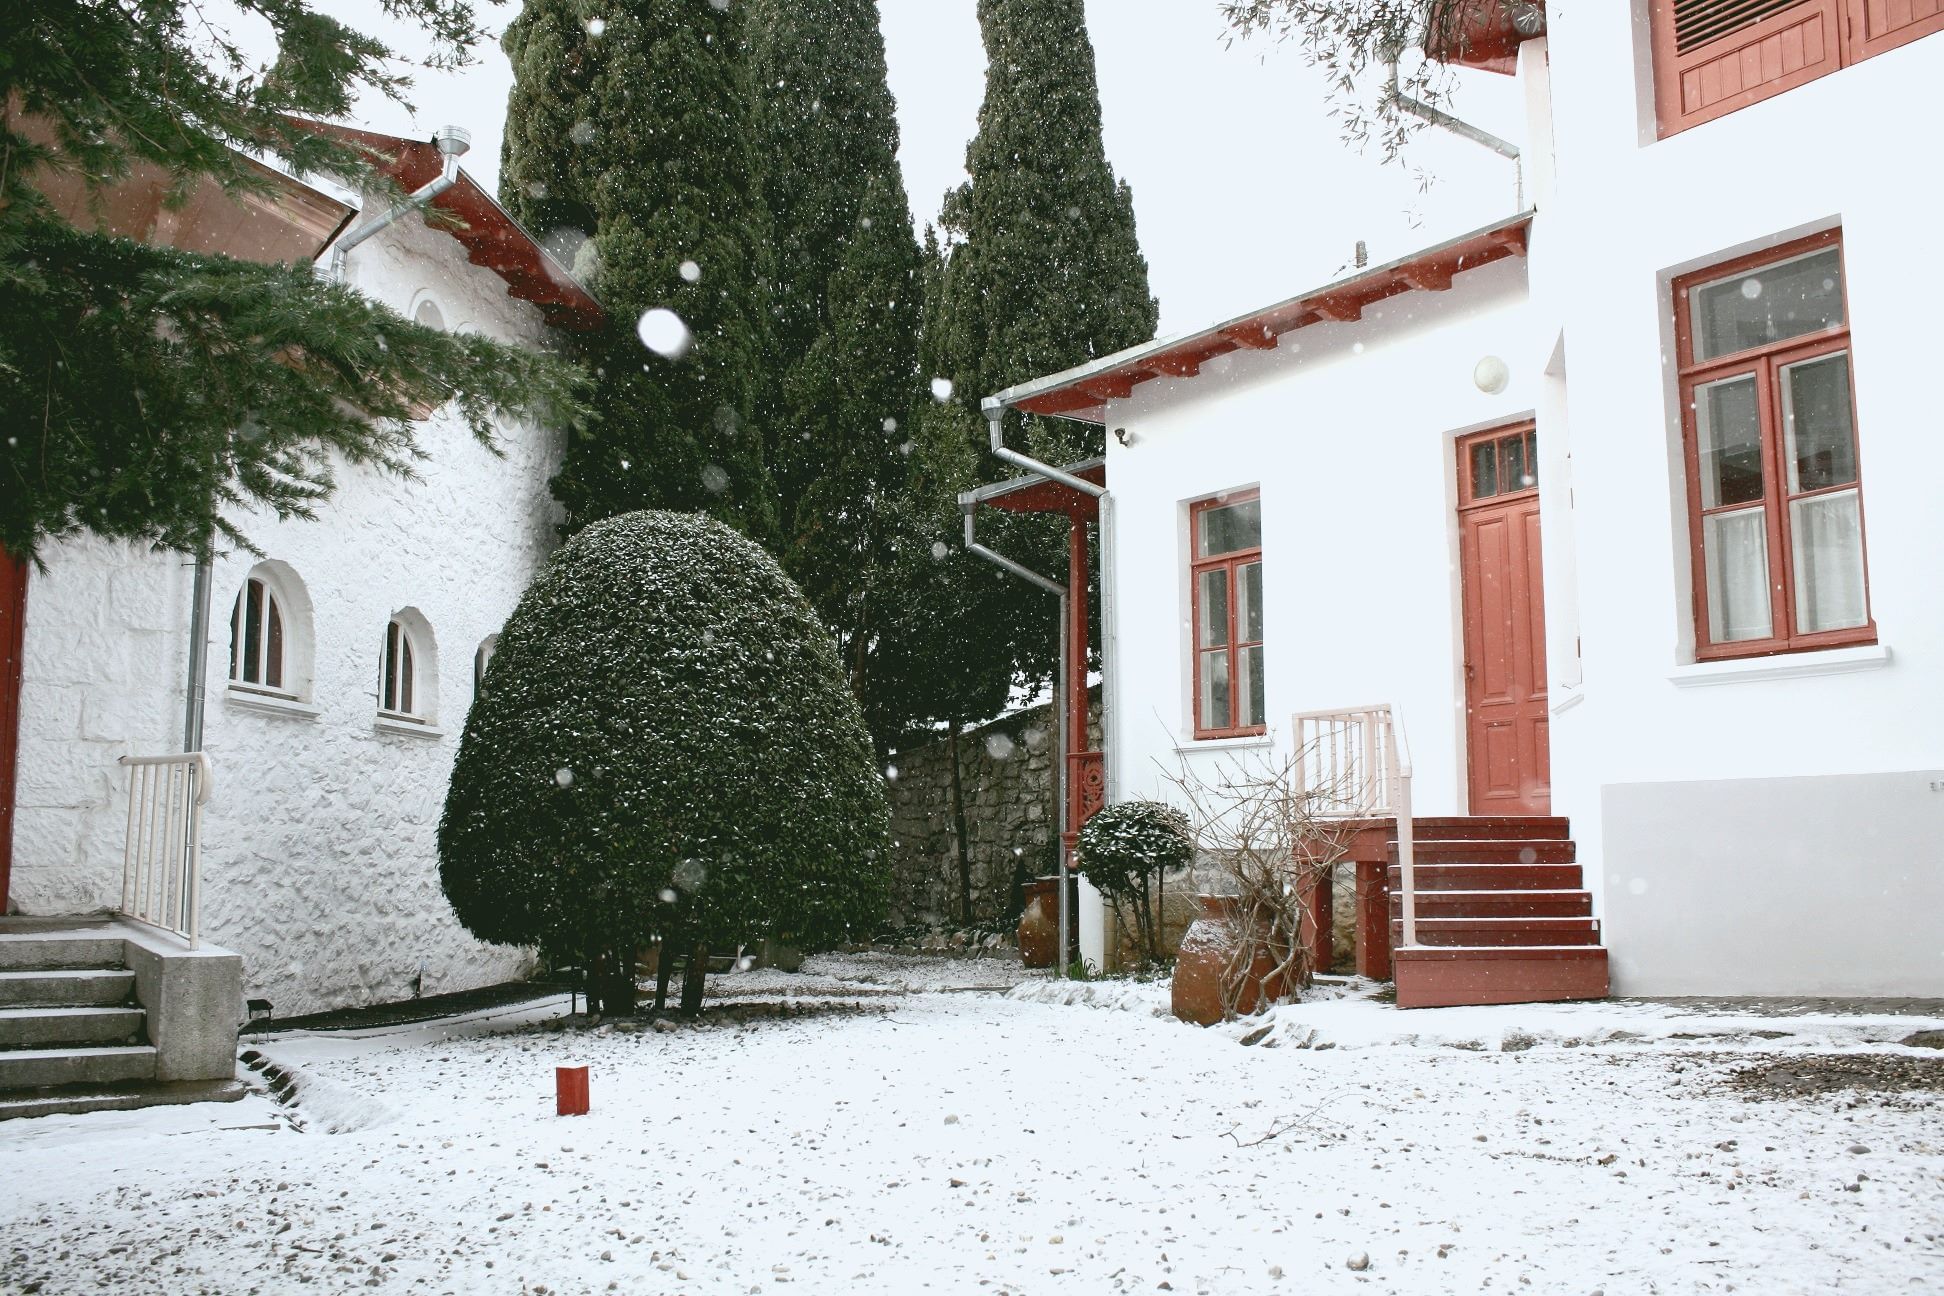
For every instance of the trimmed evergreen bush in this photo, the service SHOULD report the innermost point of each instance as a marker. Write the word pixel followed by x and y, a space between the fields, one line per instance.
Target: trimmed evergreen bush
pixel 664 746
pixel 1128 849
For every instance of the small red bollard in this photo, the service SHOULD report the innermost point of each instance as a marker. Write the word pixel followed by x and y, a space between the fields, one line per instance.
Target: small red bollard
pixel 570 1091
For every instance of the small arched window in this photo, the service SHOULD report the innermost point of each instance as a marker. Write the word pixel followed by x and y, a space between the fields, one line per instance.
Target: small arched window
pixel 398 683
pixel 258 638
pixel 481 660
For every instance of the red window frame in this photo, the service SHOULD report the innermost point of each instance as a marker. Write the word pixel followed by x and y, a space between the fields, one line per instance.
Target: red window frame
pixel 1732 64
pixel 1230 562
pixel 1764 364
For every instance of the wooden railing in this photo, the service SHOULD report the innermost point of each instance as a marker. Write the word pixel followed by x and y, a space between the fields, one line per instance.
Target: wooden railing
pixel 162 853
pixel 1355 763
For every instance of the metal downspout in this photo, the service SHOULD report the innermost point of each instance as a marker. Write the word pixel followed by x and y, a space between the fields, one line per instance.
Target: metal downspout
pixel 969 503
pixel 192 720
pixel 452 142
pixel 1464 130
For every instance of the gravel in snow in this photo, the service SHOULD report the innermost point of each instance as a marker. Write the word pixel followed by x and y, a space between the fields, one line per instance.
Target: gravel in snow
pixel 977 1143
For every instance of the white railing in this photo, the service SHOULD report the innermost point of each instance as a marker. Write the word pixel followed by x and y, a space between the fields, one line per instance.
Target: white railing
pixel 162 854
pixel 1355 763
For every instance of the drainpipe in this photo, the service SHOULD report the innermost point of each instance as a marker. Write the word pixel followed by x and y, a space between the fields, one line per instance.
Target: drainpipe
pixel 452 143
pixel 1463 129
pixel 192 720
pixel 969 503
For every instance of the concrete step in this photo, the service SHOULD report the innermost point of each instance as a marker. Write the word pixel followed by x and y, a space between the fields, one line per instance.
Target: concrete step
pixel 1531 850
pixel 42 1027
pixel 123 1097
pixel 1559 903
pixel 1501 932
pixel 59 950
pixel 73 986
pixel 1489 877
pixel 1444 978
pixel 40 1068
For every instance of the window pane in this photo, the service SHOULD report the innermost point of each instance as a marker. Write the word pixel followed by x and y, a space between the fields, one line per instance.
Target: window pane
pixel 1226 528
pixel 1484 467
pixel 1248 602
pixel 1738 584
pixel 253 633
pixel 388 675
pixel 405 674
pixel 1249 687
pixel 1512 464
pixel 236 636
pixel 1213 630
pixel 1215 689
pixel 273 656
pixel 1729 427
pixel 1827 531
pixel 1768 304
pixel 1816 421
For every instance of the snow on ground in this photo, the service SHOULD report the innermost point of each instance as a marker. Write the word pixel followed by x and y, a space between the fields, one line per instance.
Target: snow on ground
pixel 969 1142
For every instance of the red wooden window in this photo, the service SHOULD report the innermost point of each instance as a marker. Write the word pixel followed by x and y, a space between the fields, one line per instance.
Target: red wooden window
pixel 1712 57
pixel 1498 464
pixel 1225 571
pixel 256 661
pixel 1775 502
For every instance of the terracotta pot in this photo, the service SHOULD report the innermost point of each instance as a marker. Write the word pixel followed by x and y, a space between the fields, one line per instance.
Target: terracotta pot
pixel 1207 948
pixel 1039 925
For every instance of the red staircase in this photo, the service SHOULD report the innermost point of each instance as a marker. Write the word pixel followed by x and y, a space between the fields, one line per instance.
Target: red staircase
pixel 1502 915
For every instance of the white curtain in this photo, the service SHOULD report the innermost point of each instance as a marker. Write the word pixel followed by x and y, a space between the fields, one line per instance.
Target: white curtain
pixel 1737 561
pixel 1828 536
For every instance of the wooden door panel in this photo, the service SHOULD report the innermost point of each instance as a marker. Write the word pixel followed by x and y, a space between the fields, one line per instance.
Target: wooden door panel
pixel 1505 653
pixel 1879 25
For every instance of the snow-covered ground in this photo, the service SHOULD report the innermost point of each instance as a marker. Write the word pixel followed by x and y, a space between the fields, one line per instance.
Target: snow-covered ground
pixel 880 1139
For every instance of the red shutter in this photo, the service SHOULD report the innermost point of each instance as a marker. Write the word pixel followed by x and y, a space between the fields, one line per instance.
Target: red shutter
pixel 1879 25
pixel 1712 57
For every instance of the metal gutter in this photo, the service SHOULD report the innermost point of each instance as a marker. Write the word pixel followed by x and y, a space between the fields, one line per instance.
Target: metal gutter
pixel 452 142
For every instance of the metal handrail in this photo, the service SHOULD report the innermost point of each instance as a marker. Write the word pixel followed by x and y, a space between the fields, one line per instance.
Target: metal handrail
pixel 162 851
pixel 1355 763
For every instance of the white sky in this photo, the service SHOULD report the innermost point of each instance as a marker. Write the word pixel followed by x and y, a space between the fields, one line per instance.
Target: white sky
pixel 1243 189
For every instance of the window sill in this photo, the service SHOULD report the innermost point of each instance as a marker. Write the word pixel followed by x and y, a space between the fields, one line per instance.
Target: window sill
pixel 270 704
pixel 1248 742
pixel 387 724
pixel 1830 661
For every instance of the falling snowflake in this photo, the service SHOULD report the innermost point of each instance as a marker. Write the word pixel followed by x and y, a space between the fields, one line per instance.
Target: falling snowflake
pixel 596 26
pixel 940 549
pixel 715 479
pixel 1751 288
pixel 564 777
pixel 581 132
pixel 999 747
pixel 941 389
pixel 691 272
pixel 663 332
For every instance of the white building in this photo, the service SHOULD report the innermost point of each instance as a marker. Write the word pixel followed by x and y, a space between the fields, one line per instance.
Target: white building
pixel 1579 499
pixel 340 665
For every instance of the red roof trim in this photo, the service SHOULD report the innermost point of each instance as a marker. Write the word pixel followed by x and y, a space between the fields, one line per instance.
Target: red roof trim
pixel 1487 38
pixel 1038 495
pixel 1084 394
pixel 488 232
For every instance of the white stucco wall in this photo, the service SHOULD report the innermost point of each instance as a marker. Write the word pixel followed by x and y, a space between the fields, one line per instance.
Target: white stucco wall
pixel 319 842
pixel 1628 214
pixel 1348 431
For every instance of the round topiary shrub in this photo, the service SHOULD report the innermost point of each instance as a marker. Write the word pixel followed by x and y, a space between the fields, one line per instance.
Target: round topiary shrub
pixel 1127 850
pixel 664 747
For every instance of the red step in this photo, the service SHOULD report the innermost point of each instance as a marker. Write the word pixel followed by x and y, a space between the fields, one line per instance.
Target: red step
pixel 1489 877
pixel 1561 903
pixel 1527 851
pixel 1491 827
pixel 1443 978
pixel 1501 932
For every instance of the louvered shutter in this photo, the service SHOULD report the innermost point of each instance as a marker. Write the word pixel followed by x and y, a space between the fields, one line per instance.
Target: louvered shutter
pixel 1712 57
pixel 1878 25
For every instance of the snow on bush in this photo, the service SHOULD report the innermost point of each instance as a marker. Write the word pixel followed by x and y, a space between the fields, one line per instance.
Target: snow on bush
pixel 664 744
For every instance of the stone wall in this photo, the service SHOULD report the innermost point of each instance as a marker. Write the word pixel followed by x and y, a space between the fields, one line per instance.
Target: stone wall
pixel 1006 769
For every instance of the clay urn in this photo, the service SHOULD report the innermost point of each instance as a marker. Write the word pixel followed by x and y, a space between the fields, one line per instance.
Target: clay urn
pixel 1208 948
pixel 1039 925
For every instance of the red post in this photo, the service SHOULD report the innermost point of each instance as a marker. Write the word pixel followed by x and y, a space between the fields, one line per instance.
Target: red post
pixel 570 1091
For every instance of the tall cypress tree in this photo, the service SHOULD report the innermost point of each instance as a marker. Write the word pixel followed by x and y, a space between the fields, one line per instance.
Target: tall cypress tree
pixel 627 124
pixel 844 303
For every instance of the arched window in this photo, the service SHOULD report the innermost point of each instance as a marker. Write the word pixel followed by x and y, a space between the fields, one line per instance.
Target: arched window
pixel 398 679
pixel 481 660
pixel 408 675
pixel 257 638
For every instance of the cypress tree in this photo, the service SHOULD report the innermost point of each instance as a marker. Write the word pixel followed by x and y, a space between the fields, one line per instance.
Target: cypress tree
pixel 845 304
pixel 628 125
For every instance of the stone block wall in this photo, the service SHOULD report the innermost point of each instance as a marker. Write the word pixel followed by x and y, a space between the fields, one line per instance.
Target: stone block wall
pixel 1006 771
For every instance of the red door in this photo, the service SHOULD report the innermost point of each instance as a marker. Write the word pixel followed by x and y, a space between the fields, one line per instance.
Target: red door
pixel 13 621
pixel 1505 623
